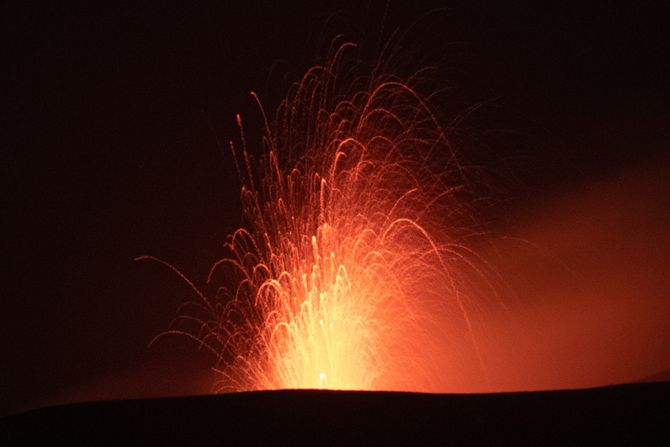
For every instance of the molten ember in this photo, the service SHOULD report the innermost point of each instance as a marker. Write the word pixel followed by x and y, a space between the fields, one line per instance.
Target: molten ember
pixel 352 257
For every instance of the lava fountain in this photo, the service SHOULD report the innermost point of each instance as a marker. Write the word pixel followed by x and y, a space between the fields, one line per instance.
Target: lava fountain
pixel 352 256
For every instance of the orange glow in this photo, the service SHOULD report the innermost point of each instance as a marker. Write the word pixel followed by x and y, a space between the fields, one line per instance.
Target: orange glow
pixel 351 260
pixel 358 267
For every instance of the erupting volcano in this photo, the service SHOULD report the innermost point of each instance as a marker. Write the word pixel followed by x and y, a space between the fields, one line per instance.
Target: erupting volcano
pixel 453 231
pixel 352 255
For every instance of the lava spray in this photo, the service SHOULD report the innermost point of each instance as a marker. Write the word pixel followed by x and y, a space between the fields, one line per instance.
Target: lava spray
pixel 350 269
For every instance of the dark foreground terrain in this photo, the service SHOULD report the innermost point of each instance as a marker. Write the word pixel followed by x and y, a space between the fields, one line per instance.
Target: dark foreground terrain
pixel 625 414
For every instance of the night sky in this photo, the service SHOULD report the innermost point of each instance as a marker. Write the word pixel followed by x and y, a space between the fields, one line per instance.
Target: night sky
pixel 115 146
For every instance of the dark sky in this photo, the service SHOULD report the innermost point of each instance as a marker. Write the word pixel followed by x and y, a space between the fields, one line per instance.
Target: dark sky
pixel 114 147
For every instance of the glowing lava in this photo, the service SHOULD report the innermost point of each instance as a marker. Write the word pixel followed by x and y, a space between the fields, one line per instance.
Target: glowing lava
pixel 352 244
